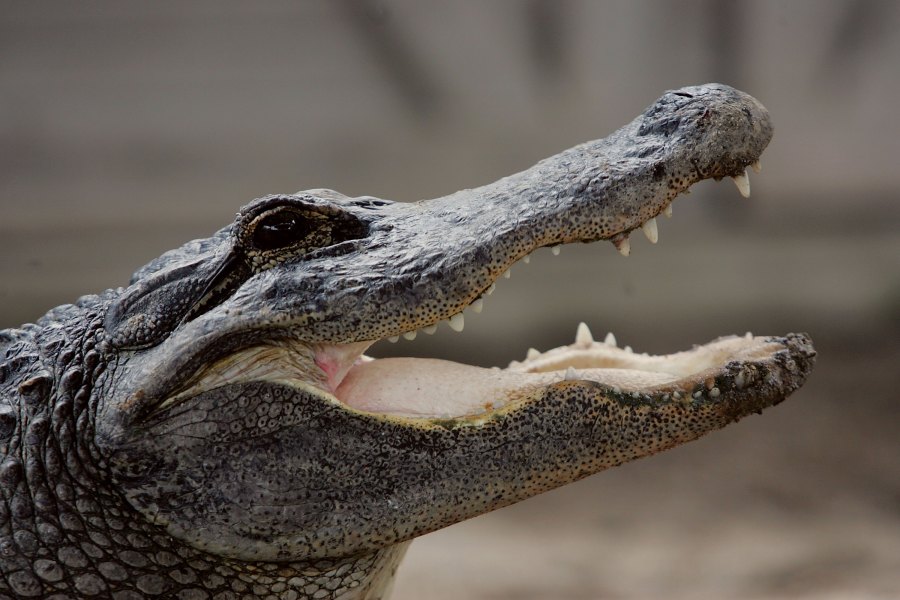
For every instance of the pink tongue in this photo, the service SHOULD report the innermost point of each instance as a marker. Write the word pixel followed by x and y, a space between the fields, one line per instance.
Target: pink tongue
pixel 336 361
pixel 421 387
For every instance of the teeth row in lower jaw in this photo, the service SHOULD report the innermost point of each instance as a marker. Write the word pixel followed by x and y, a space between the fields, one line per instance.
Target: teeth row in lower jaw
pixel 622 244
pixel 650 228
pixel 584 339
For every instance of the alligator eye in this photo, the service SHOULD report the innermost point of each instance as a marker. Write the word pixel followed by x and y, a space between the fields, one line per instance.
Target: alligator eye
pixel 279 230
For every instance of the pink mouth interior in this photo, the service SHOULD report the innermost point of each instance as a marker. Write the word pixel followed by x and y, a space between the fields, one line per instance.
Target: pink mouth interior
pixel 431 388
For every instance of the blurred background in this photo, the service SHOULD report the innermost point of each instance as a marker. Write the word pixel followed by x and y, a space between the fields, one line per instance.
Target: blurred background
pixel 129 128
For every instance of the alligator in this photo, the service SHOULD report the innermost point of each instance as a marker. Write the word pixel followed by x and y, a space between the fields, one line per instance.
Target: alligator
pixel 215 429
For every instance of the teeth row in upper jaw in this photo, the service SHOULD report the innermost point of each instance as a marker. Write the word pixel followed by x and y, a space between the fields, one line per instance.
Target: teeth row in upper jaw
pixel 457 322
pixel 622 244
pixel 650 228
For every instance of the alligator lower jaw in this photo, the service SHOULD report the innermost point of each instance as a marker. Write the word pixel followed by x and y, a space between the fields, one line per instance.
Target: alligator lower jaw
pixel 423 389
pixel 419 388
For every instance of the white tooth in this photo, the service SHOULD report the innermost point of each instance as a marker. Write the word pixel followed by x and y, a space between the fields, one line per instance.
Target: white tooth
pixel 532 354
pixel 409 335
pixel 650 230
pixel 583 337
pixel 506 274
pixel 554 250
pixel 610 339
pixel 491 289
pixel 477 305
pixel 430 329
pixel 623 246
pixel 668 210
pixel 628 349
pixel 457 322
pixel 570 375
pixel 526 259
pixel 748 335
pixel 394 339
pixel 757 168
pixel 742 182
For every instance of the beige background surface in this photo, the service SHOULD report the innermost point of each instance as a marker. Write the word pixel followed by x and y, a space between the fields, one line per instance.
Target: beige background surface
pixel 128 128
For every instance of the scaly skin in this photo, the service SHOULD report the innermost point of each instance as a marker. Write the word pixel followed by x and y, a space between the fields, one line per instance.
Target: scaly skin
pixel 214 431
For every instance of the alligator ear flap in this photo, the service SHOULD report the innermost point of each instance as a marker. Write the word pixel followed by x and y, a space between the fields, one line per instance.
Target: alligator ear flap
pixel 153 307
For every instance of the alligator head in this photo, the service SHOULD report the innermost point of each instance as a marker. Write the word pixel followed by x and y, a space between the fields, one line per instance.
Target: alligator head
pixel 243 417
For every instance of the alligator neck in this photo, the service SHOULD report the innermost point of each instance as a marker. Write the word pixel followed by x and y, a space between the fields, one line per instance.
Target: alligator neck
pixel 65 530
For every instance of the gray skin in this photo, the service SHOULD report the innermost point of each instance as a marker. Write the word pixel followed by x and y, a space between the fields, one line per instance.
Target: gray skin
pixel 181 437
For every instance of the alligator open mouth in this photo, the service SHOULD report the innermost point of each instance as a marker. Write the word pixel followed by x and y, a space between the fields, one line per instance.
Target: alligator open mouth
pixel 432 389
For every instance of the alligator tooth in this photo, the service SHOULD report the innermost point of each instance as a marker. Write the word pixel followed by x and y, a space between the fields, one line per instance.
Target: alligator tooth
pixel 742 182
pixel 526 259
pixel 668 210
pixel 506 274
pixel 570 375
pixel 430 329
pixel 491 289
pixel 477 305
pixel 622 244
pixel 650 230
pixel 394 339
pixel 610 339
pixel 583 337
pixel 748 335
pixel 628 349
pixel 532 354
pixel 554 250
pixel 757 168
pixel 457 322
pixel 409 335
